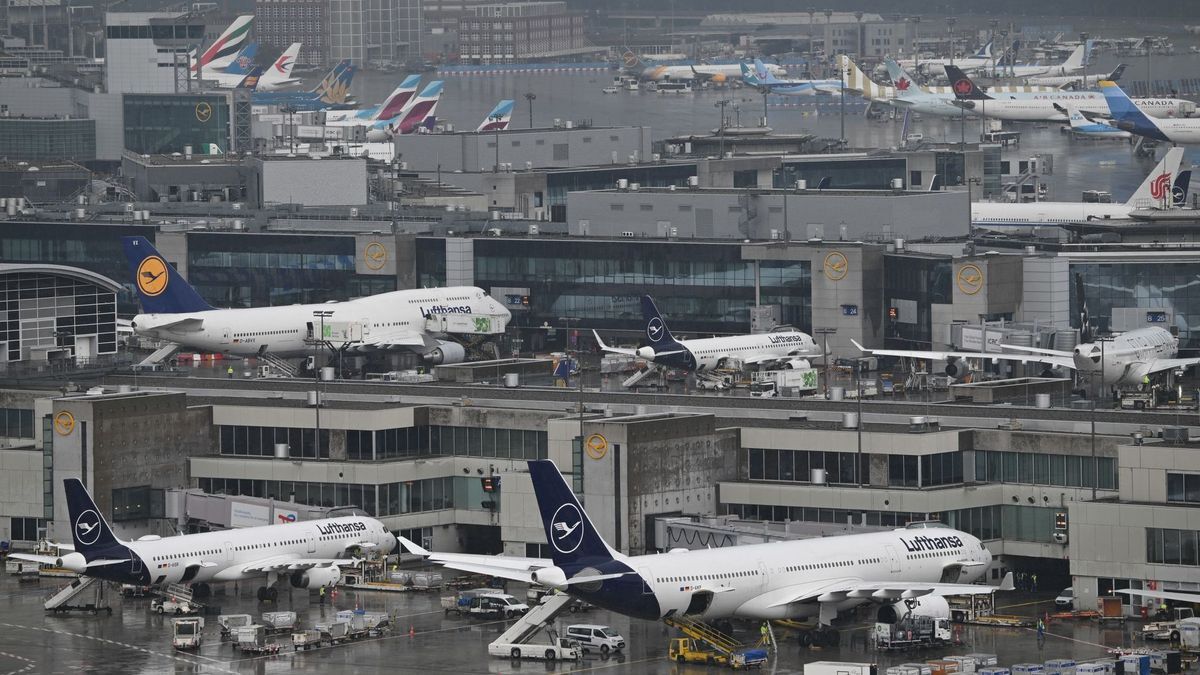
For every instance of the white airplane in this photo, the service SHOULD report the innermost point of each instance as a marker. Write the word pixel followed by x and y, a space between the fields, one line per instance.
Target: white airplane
pixel 1082 127
pixel 911 97
pixel 1128 114
pixel 781 347
pixel 1045 107
pixel 279 74
pixel 1073 64
pixel 308 553
pixel 858 82
pixel 1154 192
pixel 224 50
pixel 782 580
pixel 1078 81
pixel 980 59
pixel 239 73
pixel 175 312
pixel 395 104
pixel 1124 359
pixel 714 72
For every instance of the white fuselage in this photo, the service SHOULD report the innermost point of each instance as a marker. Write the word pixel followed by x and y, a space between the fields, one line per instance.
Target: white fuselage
pixel 1040 107
pixel 729 72
pixel 1185 131
pixel 288 330
pixel 755 581
pixel 1045 213
pixel 1128 357
pixel 168 558
pixel 710 353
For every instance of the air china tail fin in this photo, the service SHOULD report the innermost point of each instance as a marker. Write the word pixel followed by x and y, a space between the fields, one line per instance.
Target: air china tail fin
pixel 91 534
pixel 159 286
pixel 574 541
pixel 964 88
pixel 1179 192
pixel 398 100
pixel 244 63
pixel 656 328
pixel 1156 189
pixel 498 118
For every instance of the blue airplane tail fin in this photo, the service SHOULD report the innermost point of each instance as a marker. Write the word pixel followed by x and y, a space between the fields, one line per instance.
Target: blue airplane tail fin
pixel 1117 72
pixel 1179 191
pixel 244 62
pixel 657 333
pixel 574 541
pixel 89 530
pixel 159 286
pixel 1123 110
pixel 963 86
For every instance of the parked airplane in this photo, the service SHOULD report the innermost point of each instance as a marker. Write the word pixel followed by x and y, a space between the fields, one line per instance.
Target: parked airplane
pixel 418 114
pixel 858 82
pixel 784 580
pixel 236 72
pixel 1121 360
pixel 715 72
pixel 982 58
pixel 333 91
pixel 1083 127
pixel 779 347
pixel 1154 192
pixel 392 106
pixel 1129 116
pixel 175 312
pixel 1073 64
pixel 498 118
pixel 279 75
pixel 911 97
pixel 308 553
pixel 224 50
pixel 1042 107
pixel 1078 81
pixel 761 77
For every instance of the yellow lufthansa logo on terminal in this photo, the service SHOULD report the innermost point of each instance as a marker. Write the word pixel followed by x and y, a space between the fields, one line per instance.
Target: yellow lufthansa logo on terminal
pixel 970 279
pixel 64 423
pixel 203 111
pixel 152 276
pixel 375 256
pixel 596 446
pixel 836 266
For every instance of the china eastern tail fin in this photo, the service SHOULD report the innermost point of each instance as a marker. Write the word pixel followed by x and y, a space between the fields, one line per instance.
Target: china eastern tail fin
pixel 91 534
pixel 1156 190
pixel 574 541
pixel 159 286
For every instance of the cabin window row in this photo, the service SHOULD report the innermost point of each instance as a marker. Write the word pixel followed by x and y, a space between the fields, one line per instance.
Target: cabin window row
pixel 708 577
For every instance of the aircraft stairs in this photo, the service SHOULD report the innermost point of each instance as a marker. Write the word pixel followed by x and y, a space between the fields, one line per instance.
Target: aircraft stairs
pixel 541 616
pixel 64 599
pixel 159 355
pixel 281 365
pixel 698 630
pixel 177 592
pixel 639 375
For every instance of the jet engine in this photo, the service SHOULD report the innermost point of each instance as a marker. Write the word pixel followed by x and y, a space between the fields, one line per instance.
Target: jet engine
pixel 645 353
pixel 316 577
pixel 446 352
pixel 378 136
pixel 797 364
pixel 550 577
pixel 933 606
pixel 957 368
pixel 73 561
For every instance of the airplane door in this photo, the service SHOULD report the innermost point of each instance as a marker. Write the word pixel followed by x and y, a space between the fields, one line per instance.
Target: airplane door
pixel 892 557
pixel 647 588
pixel 224 336
pixel 135 567
pixel 762 573
pixel 229 552
pixel 312 544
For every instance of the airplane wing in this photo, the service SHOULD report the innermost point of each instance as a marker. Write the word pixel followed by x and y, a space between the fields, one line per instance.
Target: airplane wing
pixel 54 560
pixel 880 591
pixel 1159 365
pixel 189 323
pixel 1059 361
pixel 1038 350
pixel 287 563
pixel 505 567
pixel 767 358
pixel 614 350
pixel 1163 595
pixel 392 340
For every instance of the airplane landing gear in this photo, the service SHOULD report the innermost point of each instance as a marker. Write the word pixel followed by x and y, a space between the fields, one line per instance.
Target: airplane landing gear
pixel 268 594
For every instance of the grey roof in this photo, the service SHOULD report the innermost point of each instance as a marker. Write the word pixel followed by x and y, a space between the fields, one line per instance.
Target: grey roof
pixel 65 271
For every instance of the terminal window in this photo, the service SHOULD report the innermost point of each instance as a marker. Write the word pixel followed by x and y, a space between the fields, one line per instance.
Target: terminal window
pixel 1183 487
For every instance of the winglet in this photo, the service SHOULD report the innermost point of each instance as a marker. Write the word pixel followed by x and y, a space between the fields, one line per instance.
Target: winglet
pixel 603 347
pixel 1006 584
pixel 412 547
pixel 860 347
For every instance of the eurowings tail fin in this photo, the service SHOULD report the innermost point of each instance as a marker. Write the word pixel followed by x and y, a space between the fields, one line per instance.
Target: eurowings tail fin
pixel 1155 190
pixel 574 541
pixel 159 286
pixel 498 118
pixel 398 100
pixel 422 109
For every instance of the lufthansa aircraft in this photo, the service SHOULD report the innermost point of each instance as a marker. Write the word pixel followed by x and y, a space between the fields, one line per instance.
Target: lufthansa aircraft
pixel 175 312
pixel 782 580
pixel 781 346
pixel 307 553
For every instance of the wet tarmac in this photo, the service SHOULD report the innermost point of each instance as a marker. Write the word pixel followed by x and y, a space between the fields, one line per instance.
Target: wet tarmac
pixel 134 640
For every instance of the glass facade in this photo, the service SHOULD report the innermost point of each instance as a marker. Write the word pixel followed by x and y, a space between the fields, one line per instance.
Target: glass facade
pixel 797 465
pixel 706 287
pixel 872 174
pixel 912 285
pixel 260 441
pixel 435 440
pixel 48 311
pixel 558 184
pixel 46 139
pixel 162 124
pixel 16 423
pixel 25 529
pixel 387 499
pixel 137 503
pixel 1000 466
pixel 1173 286
pixel 1183 487
pixel 1172 547
pixel 251 270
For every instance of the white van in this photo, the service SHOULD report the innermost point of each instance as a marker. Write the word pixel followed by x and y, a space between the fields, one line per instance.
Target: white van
pixel 596 638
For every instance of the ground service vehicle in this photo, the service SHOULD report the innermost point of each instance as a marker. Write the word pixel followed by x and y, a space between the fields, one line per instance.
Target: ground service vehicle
pixel 559 649
pixel 1169 629
pixel 594 638
pixel 172 606
pixel 690 650
pixel 186 633
pixel 839 668
pixel 1065 599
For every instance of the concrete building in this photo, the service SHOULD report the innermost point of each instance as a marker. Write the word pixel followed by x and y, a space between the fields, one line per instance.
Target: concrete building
pixel 864 34
pixel 279 23
pixel 375 32
pixel 563 146
pixel 517 31
pixel 147 52
pixel 47 138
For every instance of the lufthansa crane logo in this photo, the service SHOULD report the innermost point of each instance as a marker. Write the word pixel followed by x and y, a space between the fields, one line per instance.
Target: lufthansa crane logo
pixel 596 446
pixel 566 529
pixel 152 276
pixel 87 527
pixel 969 279
pixel 64 423
pixel 654 329
pixel 375 256
pixel 203 111
pixel 836 266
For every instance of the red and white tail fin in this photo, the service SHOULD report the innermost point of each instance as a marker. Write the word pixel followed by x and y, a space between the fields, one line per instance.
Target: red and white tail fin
pixel 279 75
pixel 399 100
pixel 421 112
pixel 225 48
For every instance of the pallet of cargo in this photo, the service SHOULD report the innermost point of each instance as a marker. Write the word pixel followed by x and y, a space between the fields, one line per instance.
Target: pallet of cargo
pixel 1078 614
pixel 1006 620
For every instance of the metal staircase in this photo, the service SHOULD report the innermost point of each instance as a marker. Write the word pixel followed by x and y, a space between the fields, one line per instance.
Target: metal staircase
pixel 639 375
pixel 541 616
pixel 698 630
pixel 160 355
pixel 176 592
pixel 279 364
pixel 63 600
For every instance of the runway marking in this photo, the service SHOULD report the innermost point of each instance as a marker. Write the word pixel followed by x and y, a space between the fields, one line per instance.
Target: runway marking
pixel 174 657
pixel 613 663
pixel 29 663
pixel 1064 637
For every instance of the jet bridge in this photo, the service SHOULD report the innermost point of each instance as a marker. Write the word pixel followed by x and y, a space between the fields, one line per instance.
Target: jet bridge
pixel 466 324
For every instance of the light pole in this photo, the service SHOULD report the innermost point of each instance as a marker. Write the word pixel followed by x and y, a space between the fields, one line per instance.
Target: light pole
pixel 992 23
pixel 1083 40
pixel 496 118
pixel 721 129
pixel 578 365
pixel 973 180
pixel 1101 389
pixel 1149 74
pixel 825 333
pixel 858 427
pixel 950 21
pixel 321 314
pixel 858 30
pixel 916 45
pixel 530 97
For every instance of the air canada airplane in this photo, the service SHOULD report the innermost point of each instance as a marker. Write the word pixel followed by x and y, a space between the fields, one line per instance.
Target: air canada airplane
pixel 1124 359
pixel 307 553
pixel 779 347
pixel 175 312
pixel 782 580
